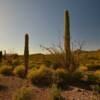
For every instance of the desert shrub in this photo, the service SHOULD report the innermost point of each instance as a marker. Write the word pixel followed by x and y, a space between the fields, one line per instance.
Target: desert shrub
pixel 32 65
pixel 9 61
pixel 55 65
pixel 62 77
pixel 19 71
pixel 14 56
pixel 58 55
pixel 24 93
pixel 97 75
pixel 93 67
pixel 95 87
pixel 16 62
pixel 93 58
pixel 92 79
pixel 55 93
pixel 47 63
pixel 83 68
pixel 32 73
pixel 77 75
pixel 41 76
pixel 6 70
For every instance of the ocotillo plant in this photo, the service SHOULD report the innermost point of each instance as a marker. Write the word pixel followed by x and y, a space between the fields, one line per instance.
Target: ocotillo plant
pixel 67 39
pixel 0 56
pixel 26 53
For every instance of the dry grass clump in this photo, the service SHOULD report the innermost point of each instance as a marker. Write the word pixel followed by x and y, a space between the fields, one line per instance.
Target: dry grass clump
pixel 56 93
pixel 24 93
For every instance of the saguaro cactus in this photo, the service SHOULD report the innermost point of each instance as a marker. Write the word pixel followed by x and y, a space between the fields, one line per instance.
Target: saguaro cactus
pixel 26 53
pixel 0 56
pixel 67 38
pixel 5 55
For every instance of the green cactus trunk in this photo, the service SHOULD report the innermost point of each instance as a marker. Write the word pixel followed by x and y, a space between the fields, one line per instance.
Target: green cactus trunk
pixel 26 54
pixel 67 39
pixel 0 56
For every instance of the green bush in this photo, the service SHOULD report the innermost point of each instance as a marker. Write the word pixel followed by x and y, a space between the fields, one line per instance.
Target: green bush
pixel 6 70
pixel 19 71
pixel 95 87
pixel 92 79
pixel 55 93
pixel 41 76
pixel 16 62
pixel 32 65
pixel 62 77
pixel 77 75
pixel 24 93
pixel 93 67
pixel 47 63
pixel 97 75
pixel 55 65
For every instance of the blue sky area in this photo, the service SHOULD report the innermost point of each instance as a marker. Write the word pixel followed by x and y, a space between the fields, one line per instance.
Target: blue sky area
pixel 44 19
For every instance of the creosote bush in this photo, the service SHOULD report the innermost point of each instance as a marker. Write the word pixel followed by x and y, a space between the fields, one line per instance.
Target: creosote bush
pixel 97 73
pixel 95 87
pixel 77 75
pixel 55 65
pixel 32 65
pixel 6 70
pixel 24 93
pixel 47 63
pixel 83 68
pixel 92 79
pixel 93 67
pixel 19 71
pixel 16 62
pixel 62 77
pixel 40 76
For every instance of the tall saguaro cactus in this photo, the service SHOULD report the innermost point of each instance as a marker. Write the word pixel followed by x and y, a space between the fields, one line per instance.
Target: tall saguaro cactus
pixel 26 53
pixel 67 38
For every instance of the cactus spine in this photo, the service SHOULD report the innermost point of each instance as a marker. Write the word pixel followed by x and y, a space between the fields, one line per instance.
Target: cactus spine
pixel 67 38
pixel 26 53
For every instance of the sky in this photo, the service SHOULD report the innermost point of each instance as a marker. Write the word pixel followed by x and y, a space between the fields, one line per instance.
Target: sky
pixel 44 21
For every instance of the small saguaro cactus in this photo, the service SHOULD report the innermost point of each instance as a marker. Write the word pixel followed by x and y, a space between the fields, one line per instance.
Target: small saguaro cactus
pixel 0 56
pixel 67 38
pixel 5 55
pixel 26 53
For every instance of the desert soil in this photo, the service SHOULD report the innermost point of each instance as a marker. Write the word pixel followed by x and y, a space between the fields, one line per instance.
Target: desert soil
pixel 9 84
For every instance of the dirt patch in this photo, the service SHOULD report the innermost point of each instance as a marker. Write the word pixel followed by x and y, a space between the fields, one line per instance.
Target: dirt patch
pixel 9 84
